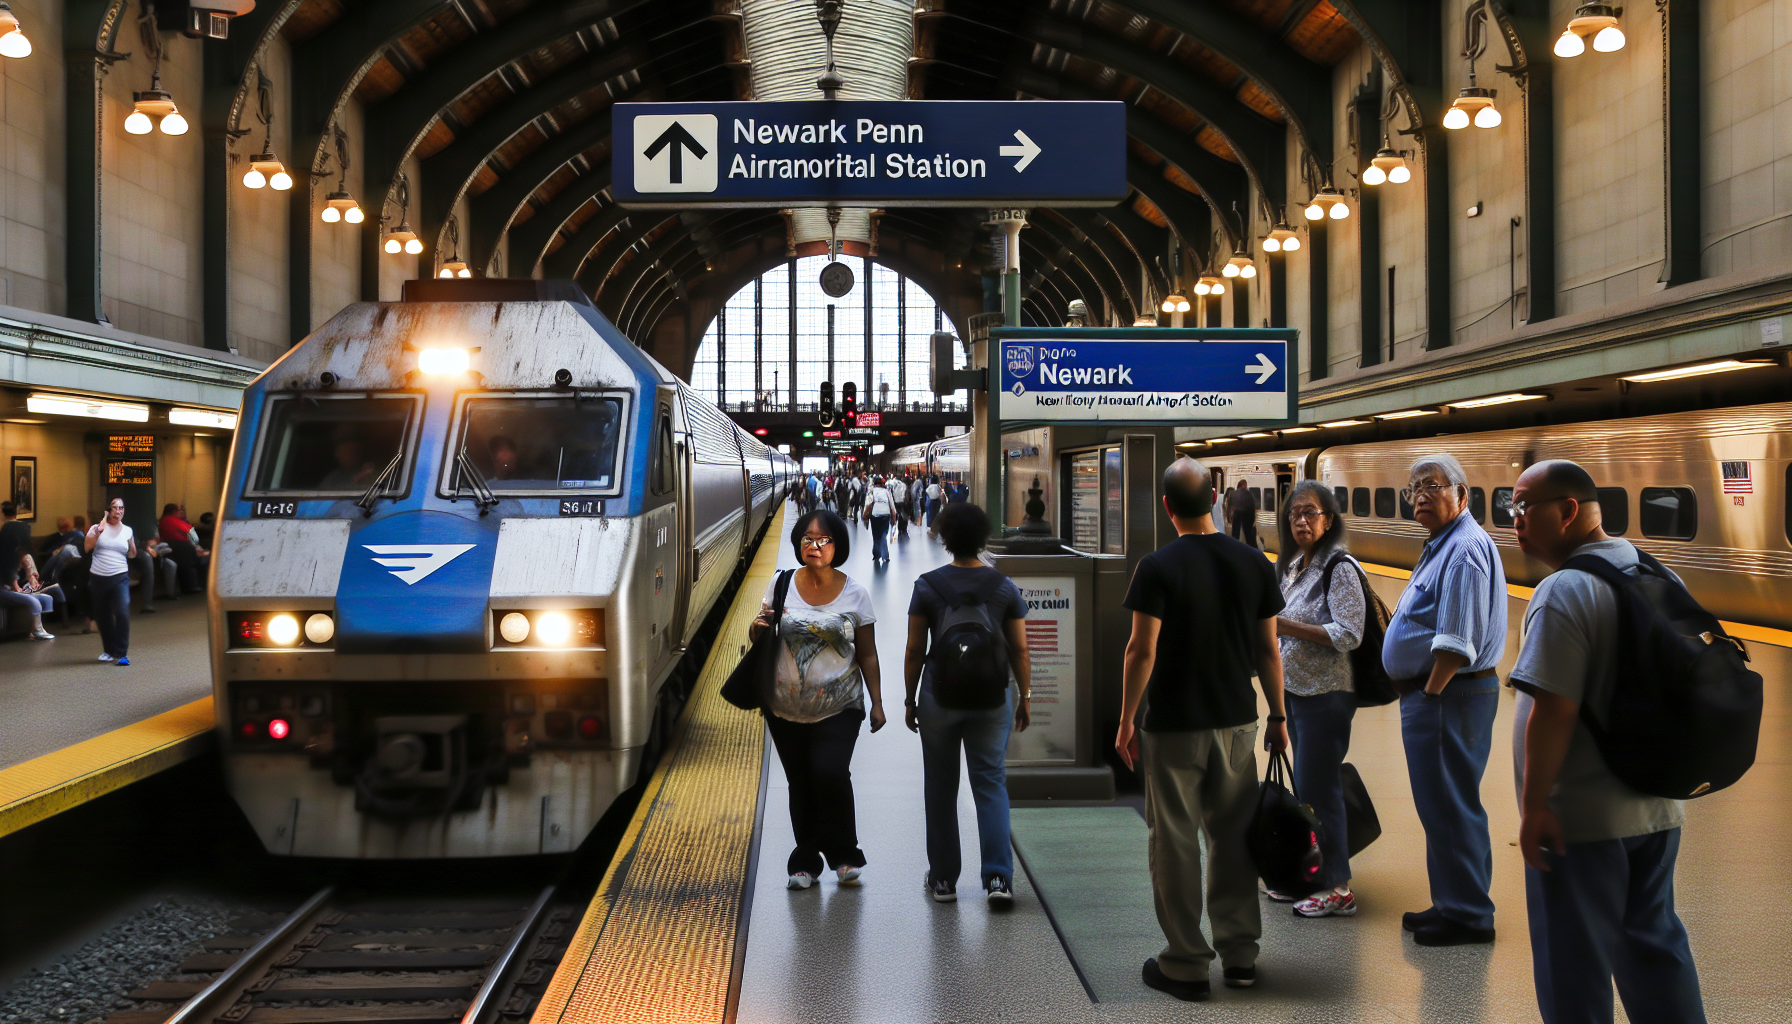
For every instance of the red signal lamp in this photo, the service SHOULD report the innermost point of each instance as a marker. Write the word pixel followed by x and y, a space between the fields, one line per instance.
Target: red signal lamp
pixel 589 727
pixel 249 730
pixel 279 729
pixel 760 431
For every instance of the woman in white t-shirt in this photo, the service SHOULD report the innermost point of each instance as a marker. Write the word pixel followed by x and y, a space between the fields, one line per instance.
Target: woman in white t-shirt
pixel 880 505
pixel 114 547
pixel 827 660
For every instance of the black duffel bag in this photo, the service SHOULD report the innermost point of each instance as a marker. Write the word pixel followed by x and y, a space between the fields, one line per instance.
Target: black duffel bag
pixel 1362 825
pixel 749 686
pixel 1284 836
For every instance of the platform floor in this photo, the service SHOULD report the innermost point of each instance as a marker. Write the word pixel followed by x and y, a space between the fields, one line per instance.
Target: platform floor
pixel 884 951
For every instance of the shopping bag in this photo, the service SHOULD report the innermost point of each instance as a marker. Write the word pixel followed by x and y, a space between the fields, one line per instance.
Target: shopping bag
pixel 1284 837
pixel 749 686
pixel 1362 825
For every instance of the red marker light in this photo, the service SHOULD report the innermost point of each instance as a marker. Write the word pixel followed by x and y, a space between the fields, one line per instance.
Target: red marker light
pixel 761 431
pixel 588 727
pixel 250 730
pixel 279 728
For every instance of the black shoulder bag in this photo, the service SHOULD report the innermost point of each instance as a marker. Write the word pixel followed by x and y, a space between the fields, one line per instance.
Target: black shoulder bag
pixel 749 686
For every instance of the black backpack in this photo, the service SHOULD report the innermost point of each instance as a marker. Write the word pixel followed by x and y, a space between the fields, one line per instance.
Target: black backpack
pixel 970 652
pixel 1368 677
pixel 1686 712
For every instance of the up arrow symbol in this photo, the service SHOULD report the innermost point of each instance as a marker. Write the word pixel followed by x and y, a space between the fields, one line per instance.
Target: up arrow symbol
pixel 1027 150
pixel 679 140
pixel 1264 368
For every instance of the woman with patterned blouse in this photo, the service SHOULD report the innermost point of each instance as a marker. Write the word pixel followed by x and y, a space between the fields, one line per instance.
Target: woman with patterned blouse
pixel 1321 624
pixel 827 661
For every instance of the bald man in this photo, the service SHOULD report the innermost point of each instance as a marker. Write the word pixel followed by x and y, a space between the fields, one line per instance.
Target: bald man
pixel 1203 620
pixel 1599 856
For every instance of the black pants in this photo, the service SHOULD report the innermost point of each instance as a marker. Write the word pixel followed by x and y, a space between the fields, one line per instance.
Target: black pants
pixel 817 759
pixel 1244 527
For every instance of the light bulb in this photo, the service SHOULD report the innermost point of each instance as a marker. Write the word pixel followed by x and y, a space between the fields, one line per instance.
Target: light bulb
pixel 446 273
pixel 1272 245
pixel 1181 305
pixel 14 44
pixel 1487 117
pixel 331 215
pixel 1219 289
pixel 1248 271
pixel 1570 45
pixel 281 181
pixel 394 246
pixel 464 272
pixel 1340 211
pixel 255 179
pixel 354 215
pixel 1609 38
pixel 1373 175
pixel 1203 289
pixel 414 246
pixel 1400 175
pixel 1169 307
pixel 1315 212
pixel 1229 270
pixel 1455 117
pixel 174 124
pixel 138 123
pixel 1290 244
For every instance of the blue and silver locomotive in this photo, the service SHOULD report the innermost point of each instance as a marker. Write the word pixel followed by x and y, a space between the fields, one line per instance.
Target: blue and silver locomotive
pixel 464 542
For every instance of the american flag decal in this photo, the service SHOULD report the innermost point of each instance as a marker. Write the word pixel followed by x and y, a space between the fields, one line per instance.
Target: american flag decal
pixel 1736 478
pixel 1042 636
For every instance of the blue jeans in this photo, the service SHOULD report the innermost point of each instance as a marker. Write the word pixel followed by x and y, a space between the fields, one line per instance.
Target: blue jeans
pixel 1448 738
pixel 1605 910
pixel 1319 728
pixel 984 736
pixel 109 598
pixel 880 537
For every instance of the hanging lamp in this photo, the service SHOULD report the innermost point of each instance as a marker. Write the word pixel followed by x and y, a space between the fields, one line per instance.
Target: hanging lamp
pixel 12 37
pixel 1328 202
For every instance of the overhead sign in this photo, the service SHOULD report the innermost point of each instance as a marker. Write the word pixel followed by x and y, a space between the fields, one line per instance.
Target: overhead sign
pixel 130 444
pixel 1145 375
pixel 870 153
pixel 871 419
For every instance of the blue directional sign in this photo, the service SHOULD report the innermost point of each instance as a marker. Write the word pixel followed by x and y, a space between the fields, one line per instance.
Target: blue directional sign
pixel 1140 375
pixel 870 153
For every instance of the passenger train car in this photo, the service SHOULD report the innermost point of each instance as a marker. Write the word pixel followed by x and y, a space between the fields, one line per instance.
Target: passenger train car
pixel 1709 493
pixel 463 546
pixel 948 455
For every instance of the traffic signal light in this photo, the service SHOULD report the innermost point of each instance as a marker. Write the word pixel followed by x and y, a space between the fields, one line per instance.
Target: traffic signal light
pixel 826 413
pixel 849 404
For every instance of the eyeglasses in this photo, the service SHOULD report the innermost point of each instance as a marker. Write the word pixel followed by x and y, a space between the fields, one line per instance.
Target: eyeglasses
pixel 1519 509
pixel 818 542
pixel 1302 514
pixel 1411 494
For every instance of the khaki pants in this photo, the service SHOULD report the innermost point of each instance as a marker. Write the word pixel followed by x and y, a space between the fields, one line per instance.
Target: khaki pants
pixel 1206 778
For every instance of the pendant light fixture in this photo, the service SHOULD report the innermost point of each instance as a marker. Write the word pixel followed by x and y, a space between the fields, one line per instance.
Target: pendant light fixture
pixel 153 108
pixel 1599 21
pixel 1210 284
pixel 265 169
pixel 1281 238
pixel 339 206
pixel 1328 202
pixel 1240 265
pixel 12 38
pixel 1473 104
pixel 403 239
pixel 455 266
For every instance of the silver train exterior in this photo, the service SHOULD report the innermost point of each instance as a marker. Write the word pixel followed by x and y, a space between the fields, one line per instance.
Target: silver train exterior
pixel 1707 492
pixel 463 546
pixel 949 455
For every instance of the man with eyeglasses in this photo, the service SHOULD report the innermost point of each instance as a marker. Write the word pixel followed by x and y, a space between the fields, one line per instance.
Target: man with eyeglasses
pixel 1445 639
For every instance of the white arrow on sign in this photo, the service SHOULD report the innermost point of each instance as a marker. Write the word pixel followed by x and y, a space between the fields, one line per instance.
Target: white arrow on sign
pixel 1027 150
pixel 1264 368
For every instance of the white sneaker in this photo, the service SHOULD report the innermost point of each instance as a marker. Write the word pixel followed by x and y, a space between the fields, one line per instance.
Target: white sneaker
pixel 1328 904
pixel 43 634
pixel 104 658
pixel 1277 897
pixel 849 875
pixel 800 880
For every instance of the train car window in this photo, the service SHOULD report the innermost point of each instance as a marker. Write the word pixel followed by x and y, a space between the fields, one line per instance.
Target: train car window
pixel 1342 496
pixel 1384 502
pixel 1359 502
pixel 1477 504
pixel 1614 510
pixel 1405 508
pixel 525 445
pixel 333 445
pixel 1269 499
pixel 1670 513
pixel 662 454
pixel 1501 497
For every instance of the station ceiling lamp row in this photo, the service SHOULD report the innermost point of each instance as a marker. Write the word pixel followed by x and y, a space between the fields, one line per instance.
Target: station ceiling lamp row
pixel 125 412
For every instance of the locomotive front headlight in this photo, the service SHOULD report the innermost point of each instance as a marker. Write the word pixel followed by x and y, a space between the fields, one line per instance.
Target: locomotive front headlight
pixel 553 629
pixel 283 630
pixel 320 628
pixel 514 627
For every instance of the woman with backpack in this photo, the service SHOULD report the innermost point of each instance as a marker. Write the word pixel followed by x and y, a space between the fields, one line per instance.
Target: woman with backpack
pixel 1321 623
pixel 880 505
pixel 827 661
pixel 959 696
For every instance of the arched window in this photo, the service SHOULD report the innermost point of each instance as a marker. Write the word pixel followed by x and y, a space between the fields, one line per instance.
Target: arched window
pixel 880 336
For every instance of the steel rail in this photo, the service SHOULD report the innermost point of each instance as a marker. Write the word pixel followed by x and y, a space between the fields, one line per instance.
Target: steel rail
pixel 227 987
pixel 483 1009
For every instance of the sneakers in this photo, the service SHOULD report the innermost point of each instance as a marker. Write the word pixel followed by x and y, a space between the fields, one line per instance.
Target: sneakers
pixel 1241 977
pixel 124 662
pixel 42 634
pixel 1001 893
pixel 105 658
pixel 849 875
pixel 800 880
pixel 1327 904
pixel 940 890
pixel 1187 991
pixel 1278 897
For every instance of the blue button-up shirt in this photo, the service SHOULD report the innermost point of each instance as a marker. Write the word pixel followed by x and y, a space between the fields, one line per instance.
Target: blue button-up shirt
pixel 1455 601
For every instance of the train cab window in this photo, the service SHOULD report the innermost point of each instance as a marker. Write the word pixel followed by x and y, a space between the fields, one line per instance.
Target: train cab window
pixel 333 445
pixel 1614 510
pixel 1342 496
pixel 1384 502
pixel 1477 504
pixel 1670 513
pixel 522 444
pixel 662 454
pixel 1502 500
pixel 1359 502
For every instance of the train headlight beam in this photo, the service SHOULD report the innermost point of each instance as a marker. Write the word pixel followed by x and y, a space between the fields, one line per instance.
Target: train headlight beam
pixel 283 630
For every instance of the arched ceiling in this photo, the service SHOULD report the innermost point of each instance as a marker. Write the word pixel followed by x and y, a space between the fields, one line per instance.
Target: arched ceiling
pixel 505 103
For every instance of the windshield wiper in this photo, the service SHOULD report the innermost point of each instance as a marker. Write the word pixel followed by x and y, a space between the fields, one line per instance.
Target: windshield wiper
pixel 371 496
pixel 471 477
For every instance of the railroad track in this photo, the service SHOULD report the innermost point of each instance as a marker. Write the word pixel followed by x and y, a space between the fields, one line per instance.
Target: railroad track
pixel 349 958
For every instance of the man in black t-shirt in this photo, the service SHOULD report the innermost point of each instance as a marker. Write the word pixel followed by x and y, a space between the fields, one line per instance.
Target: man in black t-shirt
pixel 1203 620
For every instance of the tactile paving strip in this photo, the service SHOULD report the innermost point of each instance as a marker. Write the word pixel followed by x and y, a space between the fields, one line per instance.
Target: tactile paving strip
pixel 657 943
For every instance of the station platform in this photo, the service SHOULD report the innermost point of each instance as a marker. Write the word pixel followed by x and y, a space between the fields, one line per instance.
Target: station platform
pixel 693 922
pixel 72 729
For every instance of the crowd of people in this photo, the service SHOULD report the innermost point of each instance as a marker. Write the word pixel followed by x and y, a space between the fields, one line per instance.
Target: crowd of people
pixel 84 575
pixel 882 501
pixel 1214 621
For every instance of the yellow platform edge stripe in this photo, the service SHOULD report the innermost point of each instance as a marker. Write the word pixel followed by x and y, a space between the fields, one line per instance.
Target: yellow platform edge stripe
pixel 626 961
pixel 1740 630
pixel 63 779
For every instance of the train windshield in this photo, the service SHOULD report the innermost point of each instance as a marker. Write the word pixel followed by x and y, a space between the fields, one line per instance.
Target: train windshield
pixel 534 444
pixel 333 444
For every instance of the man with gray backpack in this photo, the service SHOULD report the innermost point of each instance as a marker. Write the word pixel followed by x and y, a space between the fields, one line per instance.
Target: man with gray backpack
pixel 1631 700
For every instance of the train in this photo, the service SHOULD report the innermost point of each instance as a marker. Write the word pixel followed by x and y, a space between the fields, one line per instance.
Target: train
pixel 948 456
pixel 466 539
